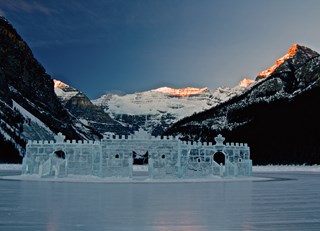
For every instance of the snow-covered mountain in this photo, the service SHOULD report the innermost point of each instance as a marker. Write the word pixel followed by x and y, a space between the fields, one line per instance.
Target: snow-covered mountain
pixel 278 116
pixel 277 113
pixel 157 109
pixel 80 106
pixel 29 108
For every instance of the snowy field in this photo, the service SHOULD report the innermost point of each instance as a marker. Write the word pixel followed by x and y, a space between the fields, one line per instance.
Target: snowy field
pixel 262 168
pixel 289 200
pixel 286 168
pixel 140 175
pixel 15 167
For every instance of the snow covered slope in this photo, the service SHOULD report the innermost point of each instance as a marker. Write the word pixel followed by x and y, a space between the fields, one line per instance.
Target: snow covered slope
pixel 157 109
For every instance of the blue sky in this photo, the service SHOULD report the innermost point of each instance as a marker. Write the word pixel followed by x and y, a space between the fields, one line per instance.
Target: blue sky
pixel 135 45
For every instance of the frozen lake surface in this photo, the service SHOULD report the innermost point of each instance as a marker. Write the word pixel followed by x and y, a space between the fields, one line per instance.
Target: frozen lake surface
pixel 289 201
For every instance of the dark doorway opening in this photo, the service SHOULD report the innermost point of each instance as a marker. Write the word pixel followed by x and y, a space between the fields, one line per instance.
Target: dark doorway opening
pixel 219 158
pixel 140 159
pixel 60 154
pixel 140 165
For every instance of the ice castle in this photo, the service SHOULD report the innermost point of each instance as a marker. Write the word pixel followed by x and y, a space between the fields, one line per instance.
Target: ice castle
pixel 168 157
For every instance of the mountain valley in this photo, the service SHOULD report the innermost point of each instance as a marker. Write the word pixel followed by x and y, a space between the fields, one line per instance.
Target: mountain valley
pixel 276 114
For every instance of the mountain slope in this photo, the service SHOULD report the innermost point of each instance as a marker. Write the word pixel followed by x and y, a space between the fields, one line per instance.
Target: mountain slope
pixel 79 105
pixel 157 109
pixel 278 116
pixel 29 107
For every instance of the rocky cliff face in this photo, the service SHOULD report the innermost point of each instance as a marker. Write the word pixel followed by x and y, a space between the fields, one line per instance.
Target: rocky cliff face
pixel 79 105
pixel 29 107
pixel 278 116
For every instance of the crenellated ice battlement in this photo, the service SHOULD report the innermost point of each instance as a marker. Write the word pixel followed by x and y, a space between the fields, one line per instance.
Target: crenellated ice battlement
pixel 236 144
pixel 44 142
pixel 131 137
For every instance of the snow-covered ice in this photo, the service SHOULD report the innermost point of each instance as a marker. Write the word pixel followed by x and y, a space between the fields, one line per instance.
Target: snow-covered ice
pixel 255 168
pixel 134 180
pixel 289 201
pixel 141 172
pixel 15 167
pixel 286 168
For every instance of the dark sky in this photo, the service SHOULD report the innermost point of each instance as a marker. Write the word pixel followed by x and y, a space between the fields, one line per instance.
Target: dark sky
pixel 136 45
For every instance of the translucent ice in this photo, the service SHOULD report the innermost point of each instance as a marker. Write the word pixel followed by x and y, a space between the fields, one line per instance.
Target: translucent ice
pixel 168 157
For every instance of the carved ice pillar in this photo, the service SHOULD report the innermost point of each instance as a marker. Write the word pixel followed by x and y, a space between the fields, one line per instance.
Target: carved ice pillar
pixel 221 170
pixel 179 160
pixel 130 166
pixel 150 167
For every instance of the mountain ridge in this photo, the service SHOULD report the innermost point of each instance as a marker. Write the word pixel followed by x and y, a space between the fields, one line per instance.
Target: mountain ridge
pixel 271 108
pixel 296 55
pixel 164 107
pixel 152 110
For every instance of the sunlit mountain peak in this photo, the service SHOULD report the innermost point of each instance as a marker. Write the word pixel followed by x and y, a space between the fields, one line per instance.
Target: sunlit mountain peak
pixel 297 54
pixel 59 84
pixel 291 52
pixel 246 82
pixel 181 92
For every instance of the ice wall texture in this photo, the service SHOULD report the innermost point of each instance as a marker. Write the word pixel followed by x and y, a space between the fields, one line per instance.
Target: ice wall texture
pixel 168 157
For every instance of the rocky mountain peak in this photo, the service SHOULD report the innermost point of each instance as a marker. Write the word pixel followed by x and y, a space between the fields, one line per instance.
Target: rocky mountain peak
pixel 64 91
pixel 80 106
pixel 294 58
pixel 58 83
